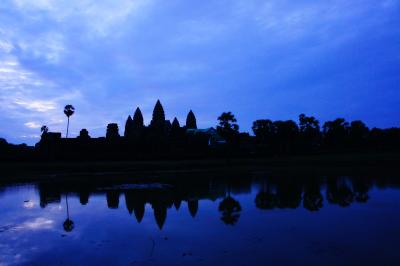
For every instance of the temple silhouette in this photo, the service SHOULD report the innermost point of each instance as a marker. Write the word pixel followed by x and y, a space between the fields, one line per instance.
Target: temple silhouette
pixel 163 139
pixel 159 139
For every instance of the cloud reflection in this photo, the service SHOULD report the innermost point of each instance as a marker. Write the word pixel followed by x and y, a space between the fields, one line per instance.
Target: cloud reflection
pixel 39 224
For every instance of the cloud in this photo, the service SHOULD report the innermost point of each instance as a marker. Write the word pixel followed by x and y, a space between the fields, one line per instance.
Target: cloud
pixel 6 46
pixel 48 46
pixel 38 106
pixel 288 21
pixel 32 125
pixel 39 223
pixel 98 17
pixel 32 100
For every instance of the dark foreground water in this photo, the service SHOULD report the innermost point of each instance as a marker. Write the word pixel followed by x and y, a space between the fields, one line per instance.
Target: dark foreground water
pixel 207 220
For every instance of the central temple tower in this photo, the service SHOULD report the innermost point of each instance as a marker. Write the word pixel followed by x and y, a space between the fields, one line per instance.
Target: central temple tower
pixel 158 120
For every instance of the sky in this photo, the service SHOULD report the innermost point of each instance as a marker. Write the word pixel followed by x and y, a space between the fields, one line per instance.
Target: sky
pixel 271 59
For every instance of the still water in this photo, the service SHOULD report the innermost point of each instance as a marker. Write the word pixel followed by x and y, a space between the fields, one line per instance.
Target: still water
pixel 209 220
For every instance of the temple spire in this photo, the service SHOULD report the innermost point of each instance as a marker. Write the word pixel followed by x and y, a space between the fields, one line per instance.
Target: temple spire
pixel 128 127
pixel 175 124
pixel 191 122
pixel 138 119
pixel 158 120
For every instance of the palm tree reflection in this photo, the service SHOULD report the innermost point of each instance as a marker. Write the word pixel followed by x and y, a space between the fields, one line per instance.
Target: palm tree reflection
pixel 68 223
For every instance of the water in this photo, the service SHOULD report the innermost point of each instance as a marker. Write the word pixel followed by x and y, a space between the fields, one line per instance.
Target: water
pixel 208 220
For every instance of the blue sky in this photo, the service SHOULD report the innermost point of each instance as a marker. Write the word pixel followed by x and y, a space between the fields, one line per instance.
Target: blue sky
pixel 259 59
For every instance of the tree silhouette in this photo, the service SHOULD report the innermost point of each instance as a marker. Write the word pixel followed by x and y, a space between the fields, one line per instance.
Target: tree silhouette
pixel 336 132
pixel 69 110
pixel 191 122
pixel 286 133
pixel 263 129
pixel 308 125
pixel 309 131
pixel 44 130
pixel 227 128
pixel 358 133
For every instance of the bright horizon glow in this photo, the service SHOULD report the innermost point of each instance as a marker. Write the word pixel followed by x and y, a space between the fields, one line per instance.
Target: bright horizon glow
pixel 257 59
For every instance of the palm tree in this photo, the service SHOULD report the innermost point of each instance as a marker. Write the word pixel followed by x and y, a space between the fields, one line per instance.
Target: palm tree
pixel 68 111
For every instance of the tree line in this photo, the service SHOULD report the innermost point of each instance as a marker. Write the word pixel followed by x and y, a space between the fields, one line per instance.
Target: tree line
pixel 307 135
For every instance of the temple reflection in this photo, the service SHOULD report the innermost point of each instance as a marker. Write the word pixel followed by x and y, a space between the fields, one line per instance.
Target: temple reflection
pixel 112 199
pixel 84 197
pixel 193 206
pixel 311 193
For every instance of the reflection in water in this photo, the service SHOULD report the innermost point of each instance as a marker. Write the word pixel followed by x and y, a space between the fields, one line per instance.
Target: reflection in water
pixel 112 199
pixel 230 209
pixel 135 202
pixel 193 206
pixel 236 220
pixel 339 192
pixel 271 193
pixel 84 197
pixel 312 197
pixel 68 223
pixel 265 199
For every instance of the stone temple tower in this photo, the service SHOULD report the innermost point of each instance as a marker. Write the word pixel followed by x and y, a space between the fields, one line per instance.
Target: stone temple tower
pixel 158 120
pixel 191 121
